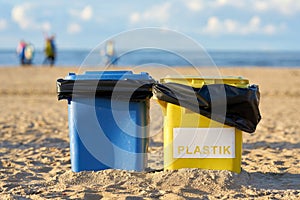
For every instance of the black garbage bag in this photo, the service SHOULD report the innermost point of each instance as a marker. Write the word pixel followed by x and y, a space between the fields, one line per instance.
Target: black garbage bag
pixel 119 89
pixel 239 106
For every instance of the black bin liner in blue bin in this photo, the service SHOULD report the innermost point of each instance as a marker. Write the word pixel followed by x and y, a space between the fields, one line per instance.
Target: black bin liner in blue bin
pixel 138 89
pixel 242 104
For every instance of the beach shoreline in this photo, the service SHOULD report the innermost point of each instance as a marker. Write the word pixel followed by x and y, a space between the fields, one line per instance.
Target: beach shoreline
pixel 35 158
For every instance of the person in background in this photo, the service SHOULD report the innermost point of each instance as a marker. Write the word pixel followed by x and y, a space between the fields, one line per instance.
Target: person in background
pixel 110 53
pixel 21 51
pixel 25 52
pixel 29 53
pixel 50 50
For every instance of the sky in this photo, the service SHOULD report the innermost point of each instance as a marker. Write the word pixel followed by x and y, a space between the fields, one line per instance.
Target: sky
pixel 215 24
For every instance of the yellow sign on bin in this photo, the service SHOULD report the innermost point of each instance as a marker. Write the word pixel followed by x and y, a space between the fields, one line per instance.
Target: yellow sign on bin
pixel 192 140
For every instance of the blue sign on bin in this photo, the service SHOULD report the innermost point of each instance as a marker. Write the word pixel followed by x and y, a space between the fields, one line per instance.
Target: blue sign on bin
pixel 108 119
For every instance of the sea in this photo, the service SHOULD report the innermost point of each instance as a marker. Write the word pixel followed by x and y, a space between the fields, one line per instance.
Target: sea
pixel 76 58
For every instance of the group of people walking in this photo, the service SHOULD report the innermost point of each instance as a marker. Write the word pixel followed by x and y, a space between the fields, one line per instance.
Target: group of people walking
pixel 26 51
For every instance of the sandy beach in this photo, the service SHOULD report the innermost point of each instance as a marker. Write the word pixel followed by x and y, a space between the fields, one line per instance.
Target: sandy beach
pixel 35 158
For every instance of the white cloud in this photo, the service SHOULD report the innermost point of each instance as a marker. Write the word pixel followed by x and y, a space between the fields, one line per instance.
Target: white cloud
pixel 157 13
pixel 85 14
pixel 233 3
pixel 22 15
pixel 253 26
pixel 269 29
pixel 73 28
pixel 46 26
pixel 3 24
pixel 197 5
pixel 254 21
pixel 135 17
pixel 215 26
pixel 230 25
pixel 19 15
pixel 194 5
pixel 220 2
pixel 286 7
pixel 261 5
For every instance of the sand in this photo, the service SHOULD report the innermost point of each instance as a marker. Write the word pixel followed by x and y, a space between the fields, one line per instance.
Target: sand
pixel 35 158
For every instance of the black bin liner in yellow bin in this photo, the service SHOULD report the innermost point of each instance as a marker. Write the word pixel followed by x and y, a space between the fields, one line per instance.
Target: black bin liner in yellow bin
pixel 242 104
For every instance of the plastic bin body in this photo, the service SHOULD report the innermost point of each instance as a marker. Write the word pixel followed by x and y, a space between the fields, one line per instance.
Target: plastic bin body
pixel 101 142
pixel 179 117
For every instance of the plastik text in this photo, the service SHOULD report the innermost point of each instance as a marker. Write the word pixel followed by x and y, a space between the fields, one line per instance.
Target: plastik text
pixel 207 150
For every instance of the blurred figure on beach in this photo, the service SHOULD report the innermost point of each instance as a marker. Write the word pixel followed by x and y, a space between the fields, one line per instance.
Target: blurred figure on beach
pixel 110 53
pixel 25 52
pixel 21 51
pixel 50 50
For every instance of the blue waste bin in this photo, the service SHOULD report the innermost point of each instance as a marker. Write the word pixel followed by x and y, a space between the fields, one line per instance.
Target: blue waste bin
pixel 108 119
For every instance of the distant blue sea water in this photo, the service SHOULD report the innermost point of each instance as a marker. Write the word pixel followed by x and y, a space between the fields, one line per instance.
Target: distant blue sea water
pixel 74 58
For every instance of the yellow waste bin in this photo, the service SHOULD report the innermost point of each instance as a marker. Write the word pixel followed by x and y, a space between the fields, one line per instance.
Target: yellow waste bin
pixel 192 140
